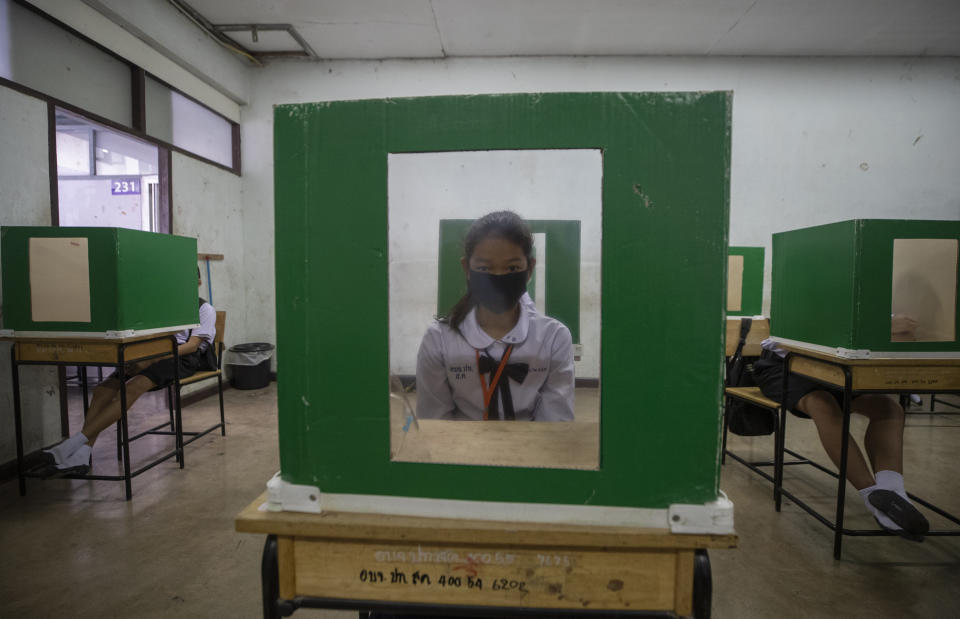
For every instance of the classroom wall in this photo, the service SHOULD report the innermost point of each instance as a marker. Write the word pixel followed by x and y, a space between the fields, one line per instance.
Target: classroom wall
pixel 25 201
pixel 815 140
pixel 207 206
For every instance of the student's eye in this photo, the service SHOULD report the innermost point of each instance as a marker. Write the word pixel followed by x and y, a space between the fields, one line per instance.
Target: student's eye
pixel 514 268
pixel 482 269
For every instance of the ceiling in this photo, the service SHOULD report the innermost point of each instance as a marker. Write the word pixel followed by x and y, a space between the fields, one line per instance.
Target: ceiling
pixel 371 29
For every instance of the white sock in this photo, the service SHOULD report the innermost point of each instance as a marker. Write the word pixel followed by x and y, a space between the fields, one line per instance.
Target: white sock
pixel 879 515
pixel 79 457
pixel 63 450
pixel 891 480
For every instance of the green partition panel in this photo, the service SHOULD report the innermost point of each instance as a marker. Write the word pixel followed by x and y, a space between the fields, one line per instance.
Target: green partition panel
pixel 562 281
pixel 665 200
pixel 137 280
pixel 832 284
pixel 751 302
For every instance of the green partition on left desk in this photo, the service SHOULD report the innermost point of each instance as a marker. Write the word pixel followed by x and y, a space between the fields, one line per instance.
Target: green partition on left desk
pixel 135 280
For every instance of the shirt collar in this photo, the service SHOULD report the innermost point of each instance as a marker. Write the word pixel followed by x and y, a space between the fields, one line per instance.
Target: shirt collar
pixel 479 339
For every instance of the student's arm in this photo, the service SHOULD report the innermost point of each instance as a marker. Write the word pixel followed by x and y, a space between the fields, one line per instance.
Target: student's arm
pixel 434 395
pixel 556 396
pixel 190 345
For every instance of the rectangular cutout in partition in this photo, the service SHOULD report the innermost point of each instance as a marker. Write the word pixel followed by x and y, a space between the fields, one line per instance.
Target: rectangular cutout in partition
pixel 924 299
pixel 59 280
pixel 428 195
pixel 734 283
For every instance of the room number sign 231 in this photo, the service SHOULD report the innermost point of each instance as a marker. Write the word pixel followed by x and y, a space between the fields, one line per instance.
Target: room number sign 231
pixel 125 186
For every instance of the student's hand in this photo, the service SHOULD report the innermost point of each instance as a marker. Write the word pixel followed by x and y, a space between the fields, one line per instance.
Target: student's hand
pixel 903 328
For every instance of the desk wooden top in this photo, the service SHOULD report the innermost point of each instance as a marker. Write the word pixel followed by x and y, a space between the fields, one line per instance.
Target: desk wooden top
pixel 563 444
pixel 409 529
pixel 891 374
pixel 873 361
pixel 88 339
pixel 104 350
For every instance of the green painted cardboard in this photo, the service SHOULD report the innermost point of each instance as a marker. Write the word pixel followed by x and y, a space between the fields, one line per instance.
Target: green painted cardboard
pixel 666 163
pixel 751 303
pixel 832 284
pixel 562 278
pixel 138 280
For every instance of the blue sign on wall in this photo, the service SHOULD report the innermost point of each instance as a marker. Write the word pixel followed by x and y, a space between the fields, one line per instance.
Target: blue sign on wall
pixel 125 186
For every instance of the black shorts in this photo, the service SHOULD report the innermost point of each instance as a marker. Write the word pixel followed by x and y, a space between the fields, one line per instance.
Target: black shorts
pixel 161 373
pixel 768 374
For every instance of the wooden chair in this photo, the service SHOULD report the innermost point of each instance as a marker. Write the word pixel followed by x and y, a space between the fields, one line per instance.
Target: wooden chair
pixel 200 377
pixel 196 378
pixel 759 331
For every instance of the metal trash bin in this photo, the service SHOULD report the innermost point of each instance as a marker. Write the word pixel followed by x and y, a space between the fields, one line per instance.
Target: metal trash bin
pixel 250 365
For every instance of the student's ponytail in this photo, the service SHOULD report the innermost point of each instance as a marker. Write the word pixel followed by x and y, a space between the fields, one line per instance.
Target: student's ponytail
pixel 499 224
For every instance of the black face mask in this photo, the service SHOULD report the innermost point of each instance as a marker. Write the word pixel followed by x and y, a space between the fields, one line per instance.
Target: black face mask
pixel 497 293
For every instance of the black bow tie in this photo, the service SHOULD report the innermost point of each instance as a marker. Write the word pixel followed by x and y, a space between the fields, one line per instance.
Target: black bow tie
pixel 514 371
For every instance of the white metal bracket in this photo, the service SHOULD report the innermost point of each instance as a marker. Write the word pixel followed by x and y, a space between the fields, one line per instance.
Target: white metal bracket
pixel 715 517
pixel 283 496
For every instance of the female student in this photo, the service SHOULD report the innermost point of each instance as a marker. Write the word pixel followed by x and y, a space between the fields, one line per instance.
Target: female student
pixel 493 356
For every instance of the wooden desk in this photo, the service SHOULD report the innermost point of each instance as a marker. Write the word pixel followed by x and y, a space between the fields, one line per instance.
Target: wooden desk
pixel 902 375
pixel 84 351
pixel 401 563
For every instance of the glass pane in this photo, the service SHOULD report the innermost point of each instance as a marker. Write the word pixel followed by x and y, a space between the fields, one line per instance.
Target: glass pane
pixel 536 296
pixel 173 118
pixel 118 190
pixel 49 59
pixel 73 151
pixel 924 306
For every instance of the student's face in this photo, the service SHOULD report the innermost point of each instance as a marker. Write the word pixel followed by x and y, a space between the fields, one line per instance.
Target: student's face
pixel 497 257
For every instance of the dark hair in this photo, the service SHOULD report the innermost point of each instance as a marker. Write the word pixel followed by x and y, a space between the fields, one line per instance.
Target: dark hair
pixel 505 225
pixel 198 271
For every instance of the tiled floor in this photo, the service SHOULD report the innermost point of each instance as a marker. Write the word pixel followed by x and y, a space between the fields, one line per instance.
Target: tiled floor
pixel 77 549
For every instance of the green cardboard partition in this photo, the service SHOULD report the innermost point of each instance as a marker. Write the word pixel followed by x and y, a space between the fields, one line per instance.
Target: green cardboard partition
pixel 665 193
pixel 751 302
pixel 137 280
pixel 562 278
pixel 833 284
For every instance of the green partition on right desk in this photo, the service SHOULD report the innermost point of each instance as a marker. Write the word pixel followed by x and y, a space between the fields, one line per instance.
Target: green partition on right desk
pixel 878 285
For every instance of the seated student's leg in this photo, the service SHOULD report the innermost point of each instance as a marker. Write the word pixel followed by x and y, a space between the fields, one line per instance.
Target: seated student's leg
pixel 884 438
pixel 884 444
pixel 822 407
pixel 79 446
pixel 103 395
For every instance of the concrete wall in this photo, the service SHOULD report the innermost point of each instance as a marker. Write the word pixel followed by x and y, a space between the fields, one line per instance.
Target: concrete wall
pixel 815 140
pixel 25 201
pixel 207 206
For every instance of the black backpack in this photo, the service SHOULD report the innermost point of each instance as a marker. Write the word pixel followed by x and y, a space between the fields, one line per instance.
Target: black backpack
pixel 744 418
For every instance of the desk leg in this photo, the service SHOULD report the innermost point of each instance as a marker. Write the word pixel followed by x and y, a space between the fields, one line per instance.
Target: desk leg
pixel 125 439
pixel 17 422
pixel 270 579
pixel 844 453
pixel 178 439
pixel 779 438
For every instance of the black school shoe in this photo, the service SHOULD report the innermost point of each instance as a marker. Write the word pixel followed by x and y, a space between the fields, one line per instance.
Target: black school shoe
pixel 54 472
pixel 913 525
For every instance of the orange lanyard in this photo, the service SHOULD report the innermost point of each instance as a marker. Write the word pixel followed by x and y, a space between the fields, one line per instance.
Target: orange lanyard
pixel 488 393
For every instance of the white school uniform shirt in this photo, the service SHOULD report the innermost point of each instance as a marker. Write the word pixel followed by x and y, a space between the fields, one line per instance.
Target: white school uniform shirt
pixel 448 385
pixel 206 331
